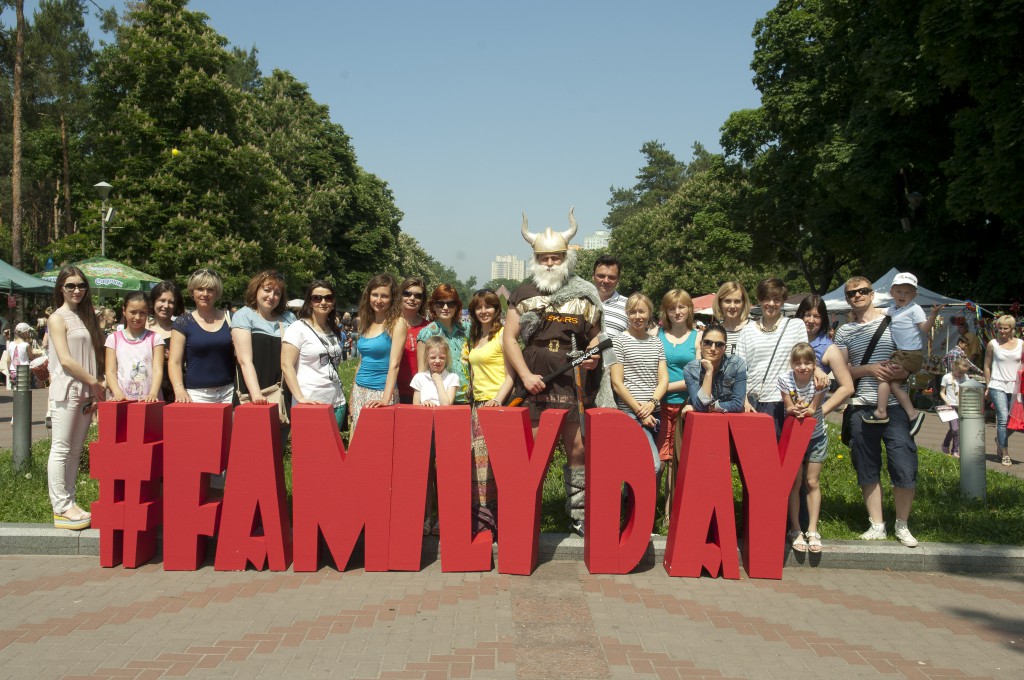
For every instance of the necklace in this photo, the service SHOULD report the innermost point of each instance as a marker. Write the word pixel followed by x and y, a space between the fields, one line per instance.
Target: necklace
pixel 775 326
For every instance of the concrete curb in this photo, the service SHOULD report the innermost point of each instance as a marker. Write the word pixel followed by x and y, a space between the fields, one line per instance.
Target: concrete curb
pixel 40 539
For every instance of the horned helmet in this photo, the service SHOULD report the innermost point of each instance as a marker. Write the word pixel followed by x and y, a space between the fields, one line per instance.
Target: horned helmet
pixel 550 241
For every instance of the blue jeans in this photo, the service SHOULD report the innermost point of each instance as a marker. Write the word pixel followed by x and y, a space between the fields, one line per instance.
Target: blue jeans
pixel 650 440
pixel 1001 402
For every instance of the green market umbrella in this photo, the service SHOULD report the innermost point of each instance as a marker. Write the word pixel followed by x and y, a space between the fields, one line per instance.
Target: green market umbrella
pixel 107 277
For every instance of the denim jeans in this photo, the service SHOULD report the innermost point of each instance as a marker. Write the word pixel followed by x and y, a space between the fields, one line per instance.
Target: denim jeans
pixel 1001 402
pixel 650 440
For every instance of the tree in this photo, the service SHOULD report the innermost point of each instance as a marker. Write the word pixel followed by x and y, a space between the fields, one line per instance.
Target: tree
pixel 19 57
pixel 691 240
pixel 656 182
pixel 851 154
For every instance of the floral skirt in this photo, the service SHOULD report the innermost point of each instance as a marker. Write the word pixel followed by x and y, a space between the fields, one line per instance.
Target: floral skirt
pixel 359 398
pixel 485 497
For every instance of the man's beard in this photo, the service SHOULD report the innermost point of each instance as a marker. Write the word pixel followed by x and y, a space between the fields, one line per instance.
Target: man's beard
pixel 549 279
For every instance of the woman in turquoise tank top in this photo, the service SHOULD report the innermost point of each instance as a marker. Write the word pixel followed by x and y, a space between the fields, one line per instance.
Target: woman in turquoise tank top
pixel 382 333
pixel 681 340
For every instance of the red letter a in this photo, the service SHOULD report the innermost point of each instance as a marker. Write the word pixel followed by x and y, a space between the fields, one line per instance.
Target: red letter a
pixel 702 505
pixel 195 446
pixel 519 465
pixel 617 453
pixel 337 493
pixel 254 495
pixel 768 470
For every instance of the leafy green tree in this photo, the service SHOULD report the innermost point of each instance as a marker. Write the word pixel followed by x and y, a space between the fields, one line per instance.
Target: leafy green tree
pixel 851 158
pixel 656 182
pixel 690 241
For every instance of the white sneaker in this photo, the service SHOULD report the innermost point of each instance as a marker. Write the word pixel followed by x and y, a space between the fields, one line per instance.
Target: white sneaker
pixel 875 533
pixel 903 534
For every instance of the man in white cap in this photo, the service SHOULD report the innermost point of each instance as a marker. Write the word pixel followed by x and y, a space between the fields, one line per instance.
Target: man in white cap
pixel 554 314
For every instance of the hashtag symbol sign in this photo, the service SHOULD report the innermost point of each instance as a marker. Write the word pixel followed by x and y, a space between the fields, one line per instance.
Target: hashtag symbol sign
pixel 127 459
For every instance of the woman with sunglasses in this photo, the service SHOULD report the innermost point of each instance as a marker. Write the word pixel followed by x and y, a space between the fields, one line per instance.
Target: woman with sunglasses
pixel 446 314
pixel 256 332
pixel 717 381
pixel 311 351
pixel 201 340
pixel 382 332
pixel 166 303
pixel 414 307
pixel 76 365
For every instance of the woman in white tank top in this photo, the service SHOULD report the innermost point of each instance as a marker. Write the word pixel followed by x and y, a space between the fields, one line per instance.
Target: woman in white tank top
pixel 1002 364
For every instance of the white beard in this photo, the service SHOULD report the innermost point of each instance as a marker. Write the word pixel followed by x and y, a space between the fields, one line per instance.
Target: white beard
pixel 549 279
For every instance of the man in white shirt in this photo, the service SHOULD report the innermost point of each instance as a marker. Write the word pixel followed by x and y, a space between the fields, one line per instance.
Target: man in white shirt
pixel 606 278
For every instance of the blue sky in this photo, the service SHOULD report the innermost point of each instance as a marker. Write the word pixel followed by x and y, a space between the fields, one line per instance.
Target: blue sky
pixel 475 111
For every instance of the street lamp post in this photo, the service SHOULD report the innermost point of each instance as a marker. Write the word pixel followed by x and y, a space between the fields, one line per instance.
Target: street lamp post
pixel 103 190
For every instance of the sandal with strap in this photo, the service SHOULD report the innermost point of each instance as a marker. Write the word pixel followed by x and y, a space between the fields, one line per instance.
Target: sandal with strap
pixel 796 539
pixel 814 541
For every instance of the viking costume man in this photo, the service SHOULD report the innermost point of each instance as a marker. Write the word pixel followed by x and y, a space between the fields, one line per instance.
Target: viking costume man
pixel 554 315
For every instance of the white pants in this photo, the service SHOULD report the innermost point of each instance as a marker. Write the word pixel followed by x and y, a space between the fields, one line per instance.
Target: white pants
pixel 212 395
pixel 70 426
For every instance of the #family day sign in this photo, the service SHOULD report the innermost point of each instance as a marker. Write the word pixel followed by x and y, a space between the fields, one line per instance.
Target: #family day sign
pixel 154 464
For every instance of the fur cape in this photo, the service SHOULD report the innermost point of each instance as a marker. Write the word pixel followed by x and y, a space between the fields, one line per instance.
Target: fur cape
pixel 574 288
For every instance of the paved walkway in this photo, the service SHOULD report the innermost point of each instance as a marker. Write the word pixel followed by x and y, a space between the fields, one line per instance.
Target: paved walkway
pixel 67 617
pixel 39 406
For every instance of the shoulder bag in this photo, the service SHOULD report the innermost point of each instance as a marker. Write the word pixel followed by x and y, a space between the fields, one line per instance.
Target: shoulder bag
pixel 845 433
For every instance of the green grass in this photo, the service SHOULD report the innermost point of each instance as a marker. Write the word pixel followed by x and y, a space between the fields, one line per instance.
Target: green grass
pixel 940 514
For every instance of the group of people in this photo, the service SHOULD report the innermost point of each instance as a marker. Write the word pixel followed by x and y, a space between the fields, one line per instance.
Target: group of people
pixel 415 348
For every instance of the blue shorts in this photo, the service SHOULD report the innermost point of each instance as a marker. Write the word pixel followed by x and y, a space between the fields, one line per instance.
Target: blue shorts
pixel 817 449
pixel 866 448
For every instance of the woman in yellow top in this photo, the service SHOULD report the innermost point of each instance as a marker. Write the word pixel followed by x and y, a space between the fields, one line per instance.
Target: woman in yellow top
pixel 490 385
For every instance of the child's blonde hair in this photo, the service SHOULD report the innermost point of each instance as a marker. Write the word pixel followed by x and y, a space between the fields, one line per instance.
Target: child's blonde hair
pixel 441 343
pixel 962 364
pixel 802 352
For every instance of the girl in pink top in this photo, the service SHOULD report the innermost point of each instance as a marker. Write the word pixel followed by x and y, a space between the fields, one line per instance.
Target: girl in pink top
pixel 76 363
pixel 135 355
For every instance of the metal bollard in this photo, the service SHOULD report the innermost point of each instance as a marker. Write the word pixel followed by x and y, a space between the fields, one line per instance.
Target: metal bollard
pixel 972 439
pixel 22 418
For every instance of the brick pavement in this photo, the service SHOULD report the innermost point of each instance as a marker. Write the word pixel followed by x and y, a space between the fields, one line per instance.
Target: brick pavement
pixel 67 617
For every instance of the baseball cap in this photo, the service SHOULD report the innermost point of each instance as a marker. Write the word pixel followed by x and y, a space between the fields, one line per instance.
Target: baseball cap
pixel 22 328
pixel 905 277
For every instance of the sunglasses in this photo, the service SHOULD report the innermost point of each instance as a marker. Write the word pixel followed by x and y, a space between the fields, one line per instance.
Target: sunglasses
pixel 859 291
pixel 717 344
pixel 440 304
pixel 72 287
pixel 410 294
pixel 317 299
pixel 206 272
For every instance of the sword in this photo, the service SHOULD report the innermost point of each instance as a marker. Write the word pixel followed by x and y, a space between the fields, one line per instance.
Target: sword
pixel 578 380
pixel 520 396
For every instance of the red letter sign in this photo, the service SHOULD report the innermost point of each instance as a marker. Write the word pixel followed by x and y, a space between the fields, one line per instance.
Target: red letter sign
pixel 255 527
pixel 127 459
pixel 337 493
pixel 702 507
pixel 617 453
pixel 196 445
pixel 519 465
pixel 768 470
pixel 460 549
pixel 413 427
